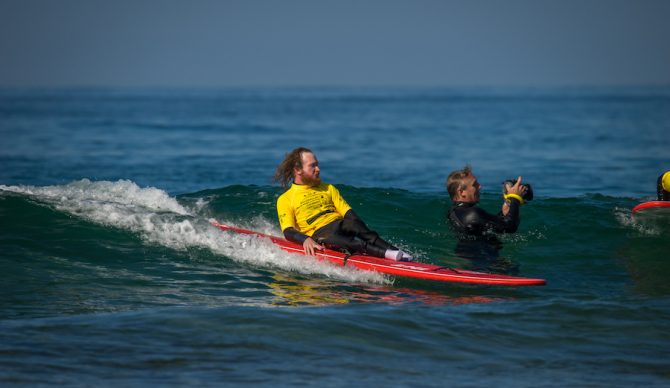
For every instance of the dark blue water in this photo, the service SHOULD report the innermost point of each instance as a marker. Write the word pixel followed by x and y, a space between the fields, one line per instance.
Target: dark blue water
pixel 113 275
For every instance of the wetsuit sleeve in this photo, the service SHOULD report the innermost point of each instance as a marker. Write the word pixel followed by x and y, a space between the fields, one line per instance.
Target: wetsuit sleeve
pixel 341 205
pixel 291 234
pixel 510 222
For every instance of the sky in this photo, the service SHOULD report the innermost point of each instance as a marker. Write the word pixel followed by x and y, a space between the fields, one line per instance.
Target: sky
pixel 287 43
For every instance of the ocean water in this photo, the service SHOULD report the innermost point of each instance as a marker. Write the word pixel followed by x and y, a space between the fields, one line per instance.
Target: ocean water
pixel 112 274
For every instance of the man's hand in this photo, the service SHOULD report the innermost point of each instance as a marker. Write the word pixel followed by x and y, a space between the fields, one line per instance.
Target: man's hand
pixel 517 189
pixel 311 246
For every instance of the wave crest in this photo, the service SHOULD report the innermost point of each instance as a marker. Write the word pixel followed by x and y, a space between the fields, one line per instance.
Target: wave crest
pixel 161 219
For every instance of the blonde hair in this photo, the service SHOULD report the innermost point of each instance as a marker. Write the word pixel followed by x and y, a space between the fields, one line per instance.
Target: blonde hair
pixel 455 180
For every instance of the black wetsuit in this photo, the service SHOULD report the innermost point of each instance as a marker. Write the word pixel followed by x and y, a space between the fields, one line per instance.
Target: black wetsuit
pixel 469 220
pixel 476 230
pixel 349 234
pixel 662 194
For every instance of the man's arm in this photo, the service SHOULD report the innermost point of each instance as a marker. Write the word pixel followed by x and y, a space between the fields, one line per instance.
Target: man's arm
pixel 292 234
pixel 307 242
pixel 509 217
pixel 506 223
pixel 475 221
pixel 287 223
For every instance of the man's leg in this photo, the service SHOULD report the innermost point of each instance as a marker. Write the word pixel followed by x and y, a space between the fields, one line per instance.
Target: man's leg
pixel 353 225
pixel 334 236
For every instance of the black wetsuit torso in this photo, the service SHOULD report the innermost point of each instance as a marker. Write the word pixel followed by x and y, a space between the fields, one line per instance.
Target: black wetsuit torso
pixel 476 230
pixel 471 221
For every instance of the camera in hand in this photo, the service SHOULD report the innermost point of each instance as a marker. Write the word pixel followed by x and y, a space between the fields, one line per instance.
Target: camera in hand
pixel 527 196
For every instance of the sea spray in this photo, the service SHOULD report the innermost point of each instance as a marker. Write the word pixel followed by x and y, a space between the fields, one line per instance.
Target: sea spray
pixel 160 219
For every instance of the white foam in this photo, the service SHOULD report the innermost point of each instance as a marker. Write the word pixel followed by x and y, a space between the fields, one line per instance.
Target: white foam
pixel 625 218
pixel 161 220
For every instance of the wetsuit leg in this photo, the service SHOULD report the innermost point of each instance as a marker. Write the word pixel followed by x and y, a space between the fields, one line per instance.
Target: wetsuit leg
pixel 351 224
pixel 333 236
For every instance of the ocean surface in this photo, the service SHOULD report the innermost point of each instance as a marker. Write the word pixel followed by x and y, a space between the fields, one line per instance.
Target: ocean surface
pixel 113 276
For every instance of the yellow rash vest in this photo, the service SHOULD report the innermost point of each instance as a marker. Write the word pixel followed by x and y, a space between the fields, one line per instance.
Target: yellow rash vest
pixel 308 208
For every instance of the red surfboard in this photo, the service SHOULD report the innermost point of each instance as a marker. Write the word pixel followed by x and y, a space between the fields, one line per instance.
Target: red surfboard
pixel 397 268
pixel 651 205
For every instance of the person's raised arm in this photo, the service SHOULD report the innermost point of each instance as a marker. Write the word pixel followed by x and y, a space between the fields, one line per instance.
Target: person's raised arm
pixel 515 191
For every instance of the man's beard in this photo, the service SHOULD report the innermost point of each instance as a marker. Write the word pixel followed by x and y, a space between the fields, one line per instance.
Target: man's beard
pixel 311 181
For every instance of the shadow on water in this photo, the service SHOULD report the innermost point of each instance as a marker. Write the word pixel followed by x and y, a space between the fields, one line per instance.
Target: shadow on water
pixel 483 255
pixel 646 255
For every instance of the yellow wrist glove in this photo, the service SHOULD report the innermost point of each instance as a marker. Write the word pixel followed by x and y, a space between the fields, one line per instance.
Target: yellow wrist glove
pixel 515 196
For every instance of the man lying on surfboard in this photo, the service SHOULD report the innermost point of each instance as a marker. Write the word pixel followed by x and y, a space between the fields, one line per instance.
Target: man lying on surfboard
pixel 314 214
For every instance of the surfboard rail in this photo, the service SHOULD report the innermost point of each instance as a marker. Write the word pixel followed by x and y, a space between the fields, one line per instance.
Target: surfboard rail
pixel 651 205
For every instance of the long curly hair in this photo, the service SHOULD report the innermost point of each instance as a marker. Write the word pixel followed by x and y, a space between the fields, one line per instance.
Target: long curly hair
pixel 292 160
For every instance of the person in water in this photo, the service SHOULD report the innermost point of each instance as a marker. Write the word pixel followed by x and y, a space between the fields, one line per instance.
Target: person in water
pixel 476 227
pixel 314 214
pixel 470 220
pixel 663 187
